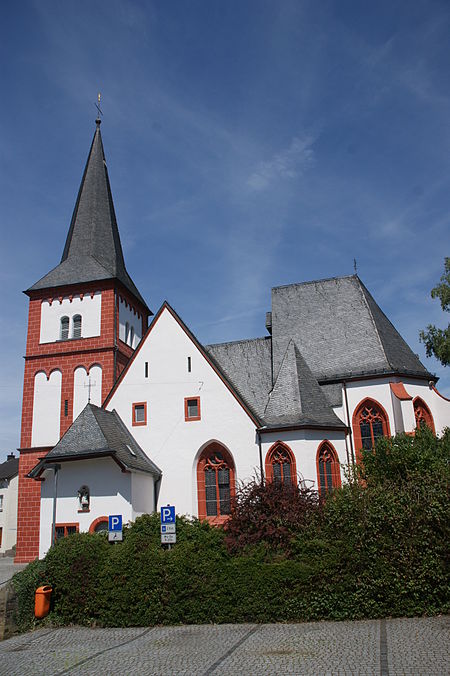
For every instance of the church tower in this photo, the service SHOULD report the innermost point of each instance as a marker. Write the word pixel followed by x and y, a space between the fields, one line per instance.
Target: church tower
pixel 85 319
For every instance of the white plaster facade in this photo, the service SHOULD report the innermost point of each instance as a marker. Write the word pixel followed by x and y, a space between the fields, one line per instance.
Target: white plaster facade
pixel 87 306
pixel 8 513
pixel 46 408
pixel 173 443
pixel 112 491
pixel 86 386
pixel 130 324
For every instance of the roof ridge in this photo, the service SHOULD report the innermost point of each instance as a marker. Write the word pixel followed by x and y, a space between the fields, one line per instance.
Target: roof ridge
pixel 235 342
pixel 314 281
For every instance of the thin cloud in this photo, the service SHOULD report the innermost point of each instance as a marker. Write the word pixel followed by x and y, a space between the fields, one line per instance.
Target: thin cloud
pixel 287 164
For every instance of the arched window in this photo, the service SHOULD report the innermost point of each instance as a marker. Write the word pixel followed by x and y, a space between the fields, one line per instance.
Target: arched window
pixel 370 421
pixel 328 472
pixel 64 329
pixel 76 330
pixel 99 524
pixel 131 336
pixel 280 464
pixel 215 483
pixel 127 331
pixel 423 414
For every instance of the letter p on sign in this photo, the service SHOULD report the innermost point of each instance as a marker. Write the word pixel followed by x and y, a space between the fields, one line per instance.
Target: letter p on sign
pixel 115 522
pixel 168 514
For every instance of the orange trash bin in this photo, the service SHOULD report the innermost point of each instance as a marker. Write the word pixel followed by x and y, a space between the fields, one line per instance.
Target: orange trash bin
pixel 42 601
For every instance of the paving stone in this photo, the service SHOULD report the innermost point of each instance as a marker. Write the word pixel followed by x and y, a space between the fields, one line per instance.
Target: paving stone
pixel 413 647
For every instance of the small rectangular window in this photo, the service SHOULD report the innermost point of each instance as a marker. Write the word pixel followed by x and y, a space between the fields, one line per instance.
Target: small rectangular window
pixel 62 530
pixel 66 407
pixel 189 365
pixel 139 414
pixel 192 408
pixel 146 369
pixel 1 503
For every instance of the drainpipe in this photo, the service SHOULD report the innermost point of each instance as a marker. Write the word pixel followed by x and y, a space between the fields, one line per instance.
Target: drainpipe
pixel 349 423
pixel 55 469
pixel 261 469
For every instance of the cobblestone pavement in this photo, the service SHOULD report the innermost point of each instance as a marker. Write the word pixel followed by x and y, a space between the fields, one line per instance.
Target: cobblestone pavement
pixel 416 647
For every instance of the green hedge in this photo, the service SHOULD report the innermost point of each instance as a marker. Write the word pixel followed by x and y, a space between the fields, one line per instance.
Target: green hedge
pixel 371 550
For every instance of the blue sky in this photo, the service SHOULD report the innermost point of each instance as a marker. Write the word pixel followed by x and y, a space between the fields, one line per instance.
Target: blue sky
pixel 249 144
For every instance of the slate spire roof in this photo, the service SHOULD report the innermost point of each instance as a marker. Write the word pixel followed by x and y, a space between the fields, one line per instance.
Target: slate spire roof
pixel 93 250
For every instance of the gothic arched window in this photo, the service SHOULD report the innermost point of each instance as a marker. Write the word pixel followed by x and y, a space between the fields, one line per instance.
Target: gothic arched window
pixel 76 327
pixel 328 472
pixel 370 421
pixel 423 414
pixel 280 464
pixel 64 328
pixel 215 483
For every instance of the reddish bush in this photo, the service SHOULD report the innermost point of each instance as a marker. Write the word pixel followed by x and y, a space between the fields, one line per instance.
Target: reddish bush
pixel 269 512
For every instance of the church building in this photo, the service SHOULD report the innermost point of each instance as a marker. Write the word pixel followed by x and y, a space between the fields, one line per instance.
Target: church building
pixel 120 417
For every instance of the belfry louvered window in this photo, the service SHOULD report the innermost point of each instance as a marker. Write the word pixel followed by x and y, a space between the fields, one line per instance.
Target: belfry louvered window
pixel 64 328
pixel 76 330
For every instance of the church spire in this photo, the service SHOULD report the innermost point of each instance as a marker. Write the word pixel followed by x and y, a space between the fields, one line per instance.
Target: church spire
pixel 93 250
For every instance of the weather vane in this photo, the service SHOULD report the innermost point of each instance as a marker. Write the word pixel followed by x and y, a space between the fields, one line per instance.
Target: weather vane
pixel 97 105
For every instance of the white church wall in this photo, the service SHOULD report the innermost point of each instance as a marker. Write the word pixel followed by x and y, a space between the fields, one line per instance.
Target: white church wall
pixel 143 494
pixel 304 444
pixel 46 409
pixel 88 307
pixel 8 514
pixel 130 324
pixel 376 389
pixel 110 493
pixel 83 383
pixel 438 405
pixel 170 441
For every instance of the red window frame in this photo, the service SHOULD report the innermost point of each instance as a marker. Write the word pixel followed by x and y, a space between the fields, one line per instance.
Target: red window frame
pixel 375 413
pixel 214 457
pixel 276 453
pixel 328 454
pixel 139 423
pixel 187 417
pixel 66 526
pixel 423 413
pixel 94 524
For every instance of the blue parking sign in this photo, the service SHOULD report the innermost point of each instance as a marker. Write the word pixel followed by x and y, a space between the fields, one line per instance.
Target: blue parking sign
pixel 115 523
pixel 168 514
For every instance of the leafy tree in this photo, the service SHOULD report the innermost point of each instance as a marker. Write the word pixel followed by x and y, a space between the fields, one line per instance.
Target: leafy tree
pixel 437 341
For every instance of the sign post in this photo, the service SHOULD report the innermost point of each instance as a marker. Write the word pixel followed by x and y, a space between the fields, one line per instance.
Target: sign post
pixel 115 528
pixel 168 526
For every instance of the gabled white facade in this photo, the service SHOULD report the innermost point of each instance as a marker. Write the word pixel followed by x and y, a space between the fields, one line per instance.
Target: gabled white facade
pixel 177 370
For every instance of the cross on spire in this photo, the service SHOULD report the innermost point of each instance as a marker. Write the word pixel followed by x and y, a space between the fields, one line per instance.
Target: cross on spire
pixel 99 110
pixel 89 386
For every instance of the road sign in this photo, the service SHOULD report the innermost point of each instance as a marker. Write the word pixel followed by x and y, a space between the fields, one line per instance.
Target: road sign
pixel 168 528
pixel 115 523
pixel 168 538
pixel 168 514
pixel 115 536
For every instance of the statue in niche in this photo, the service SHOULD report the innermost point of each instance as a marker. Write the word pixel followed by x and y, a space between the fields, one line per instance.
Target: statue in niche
pixel 83 498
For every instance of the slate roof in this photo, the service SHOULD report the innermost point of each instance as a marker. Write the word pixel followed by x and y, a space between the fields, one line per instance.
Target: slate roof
pixel 247 366
pixel 97 432
pixel 9 468
pixel 323 332
pixel 340 331
pixel 296 398
pixel 93 250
